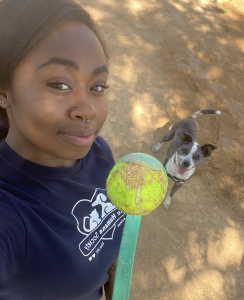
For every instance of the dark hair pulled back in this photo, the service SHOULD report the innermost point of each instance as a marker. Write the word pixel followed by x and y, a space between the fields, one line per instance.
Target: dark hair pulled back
pixel 23 24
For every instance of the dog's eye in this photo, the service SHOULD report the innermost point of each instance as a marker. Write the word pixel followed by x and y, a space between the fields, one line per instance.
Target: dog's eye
pixel 197 157
pixel 184 151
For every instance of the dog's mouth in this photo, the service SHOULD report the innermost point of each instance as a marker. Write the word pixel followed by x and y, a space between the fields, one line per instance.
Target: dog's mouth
pixel 182 170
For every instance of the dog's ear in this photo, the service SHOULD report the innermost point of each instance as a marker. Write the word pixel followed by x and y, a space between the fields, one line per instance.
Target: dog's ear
pixel 208 149
pixel 186 138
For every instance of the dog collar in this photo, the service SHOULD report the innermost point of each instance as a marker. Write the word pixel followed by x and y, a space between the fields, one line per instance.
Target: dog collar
pixel 178 180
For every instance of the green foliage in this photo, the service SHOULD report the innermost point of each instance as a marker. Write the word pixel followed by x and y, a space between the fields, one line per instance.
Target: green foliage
pixel 222 10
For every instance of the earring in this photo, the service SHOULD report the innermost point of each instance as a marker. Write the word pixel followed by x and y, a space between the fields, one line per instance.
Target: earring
pixel 78 108
pixel 2 102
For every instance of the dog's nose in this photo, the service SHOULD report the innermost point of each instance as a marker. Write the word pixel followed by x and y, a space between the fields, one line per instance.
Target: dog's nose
pixel 186 164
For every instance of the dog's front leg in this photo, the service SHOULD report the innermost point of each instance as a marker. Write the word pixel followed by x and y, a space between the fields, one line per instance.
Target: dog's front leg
pixel 169 136
pixel 167 199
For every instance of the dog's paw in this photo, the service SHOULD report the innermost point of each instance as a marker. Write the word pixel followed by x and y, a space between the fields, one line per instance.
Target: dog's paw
pixel 166 202
pixel 157 147
pixel 166 206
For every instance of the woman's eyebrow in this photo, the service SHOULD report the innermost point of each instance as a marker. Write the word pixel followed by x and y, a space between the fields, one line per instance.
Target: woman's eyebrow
pixel 99 70
pixel 71 64
pixel 60 61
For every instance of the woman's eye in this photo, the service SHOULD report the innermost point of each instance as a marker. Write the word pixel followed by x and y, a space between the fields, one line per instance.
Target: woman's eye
pixel 99 88
pixel 59 86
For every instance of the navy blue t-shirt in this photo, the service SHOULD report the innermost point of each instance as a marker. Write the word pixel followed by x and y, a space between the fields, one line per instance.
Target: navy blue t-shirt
pixel 59 233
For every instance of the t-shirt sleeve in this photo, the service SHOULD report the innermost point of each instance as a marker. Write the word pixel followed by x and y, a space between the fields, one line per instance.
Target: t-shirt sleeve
pixel 12 239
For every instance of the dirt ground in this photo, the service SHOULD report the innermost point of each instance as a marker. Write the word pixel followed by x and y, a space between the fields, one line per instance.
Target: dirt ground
pixel 170 58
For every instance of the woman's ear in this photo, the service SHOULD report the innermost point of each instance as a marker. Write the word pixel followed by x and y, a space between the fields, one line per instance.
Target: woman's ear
pixel 4 100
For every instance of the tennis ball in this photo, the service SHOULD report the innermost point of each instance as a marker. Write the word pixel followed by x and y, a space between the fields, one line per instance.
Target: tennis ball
pixel 137 184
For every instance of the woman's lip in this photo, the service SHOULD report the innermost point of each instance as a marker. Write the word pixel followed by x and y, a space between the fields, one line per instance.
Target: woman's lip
pixel 78 140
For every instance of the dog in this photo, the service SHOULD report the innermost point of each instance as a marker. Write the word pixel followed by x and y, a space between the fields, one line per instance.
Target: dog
pixel 184 154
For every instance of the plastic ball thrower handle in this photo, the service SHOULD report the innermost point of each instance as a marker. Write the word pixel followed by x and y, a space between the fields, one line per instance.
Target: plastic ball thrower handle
pixel 125 262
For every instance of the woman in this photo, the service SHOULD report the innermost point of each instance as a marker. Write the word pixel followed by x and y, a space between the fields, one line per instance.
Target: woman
pixel 59 237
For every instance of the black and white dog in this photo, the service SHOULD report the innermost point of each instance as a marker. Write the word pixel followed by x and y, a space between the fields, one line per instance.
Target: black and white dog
pixel 184 153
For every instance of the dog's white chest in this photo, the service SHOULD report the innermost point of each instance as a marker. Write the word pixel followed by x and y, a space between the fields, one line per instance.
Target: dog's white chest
pixel 172 169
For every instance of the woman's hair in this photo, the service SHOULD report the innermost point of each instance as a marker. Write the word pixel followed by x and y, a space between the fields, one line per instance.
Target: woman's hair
pixel 23 24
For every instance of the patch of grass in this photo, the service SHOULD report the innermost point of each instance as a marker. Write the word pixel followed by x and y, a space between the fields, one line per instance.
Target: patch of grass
pixel 222 10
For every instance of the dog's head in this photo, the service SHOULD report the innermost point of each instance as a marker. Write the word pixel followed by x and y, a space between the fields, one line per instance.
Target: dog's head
pixel 190 154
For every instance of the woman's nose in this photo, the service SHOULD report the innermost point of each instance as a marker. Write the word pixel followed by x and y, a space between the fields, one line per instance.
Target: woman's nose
pixel 83 109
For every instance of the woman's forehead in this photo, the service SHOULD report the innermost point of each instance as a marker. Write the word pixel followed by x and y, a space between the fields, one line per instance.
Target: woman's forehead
pixel 70 41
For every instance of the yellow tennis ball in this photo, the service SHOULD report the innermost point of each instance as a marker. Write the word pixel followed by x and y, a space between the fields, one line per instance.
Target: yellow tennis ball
pixel 137 184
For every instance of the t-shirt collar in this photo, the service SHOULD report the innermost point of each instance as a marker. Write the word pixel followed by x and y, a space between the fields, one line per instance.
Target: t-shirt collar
pixel 32 167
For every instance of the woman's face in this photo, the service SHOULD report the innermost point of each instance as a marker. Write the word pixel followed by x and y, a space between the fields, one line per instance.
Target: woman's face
pixel 58 85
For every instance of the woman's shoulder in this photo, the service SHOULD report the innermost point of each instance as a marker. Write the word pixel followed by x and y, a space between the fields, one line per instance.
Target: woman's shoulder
pixel 12 236
pixel 99 141
pixel 9 216
pixel 101 149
